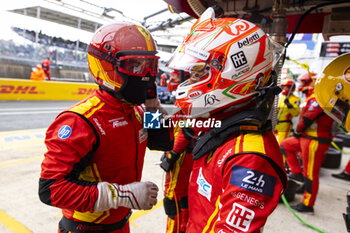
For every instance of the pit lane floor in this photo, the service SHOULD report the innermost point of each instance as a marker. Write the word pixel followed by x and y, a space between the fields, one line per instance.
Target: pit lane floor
pixel 21 153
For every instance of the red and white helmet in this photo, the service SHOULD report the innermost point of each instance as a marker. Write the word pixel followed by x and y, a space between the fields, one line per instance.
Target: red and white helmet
pixel 228 59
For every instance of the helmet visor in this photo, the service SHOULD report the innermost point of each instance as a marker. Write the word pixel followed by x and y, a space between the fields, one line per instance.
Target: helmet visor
pixel 277 49
pixel 138 65
pixel 194 64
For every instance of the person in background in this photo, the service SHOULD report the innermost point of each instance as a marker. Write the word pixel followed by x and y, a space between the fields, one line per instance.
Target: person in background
pixel 311 140
pixel 163 80
pixel 332 91
pixel 46 67
pixel 288 108
pixel 238 174
pixel 38 74
pixel 95 149
pixel 173 81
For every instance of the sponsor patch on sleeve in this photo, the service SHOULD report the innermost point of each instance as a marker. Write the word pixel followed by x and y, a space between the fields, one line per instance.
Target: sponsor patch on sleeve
pixel 253 180
pixel 142 135
pixel 64 132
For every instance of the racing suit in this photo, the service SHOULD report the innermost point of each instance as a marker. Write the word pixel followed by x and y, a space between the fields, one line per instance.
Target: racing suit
pixel 37 75
pixel 46 67
pixel 236 187
pixel 284 125
pixel 176 183
pixel 98 139
pixel 315 128
pixel 172 84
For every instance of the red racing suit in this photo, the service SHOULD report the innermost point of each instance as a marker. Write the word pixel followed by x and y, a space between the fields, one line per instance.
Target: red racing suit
pixel 172 84
pixel 236 188
pixel 46 67
pixel 315 127
pixel 98 139
pixel 177 181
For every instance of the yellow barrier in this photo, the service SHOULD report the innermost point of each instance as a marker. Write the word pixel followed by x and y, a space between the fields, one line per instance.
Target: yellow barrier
pixel 18 89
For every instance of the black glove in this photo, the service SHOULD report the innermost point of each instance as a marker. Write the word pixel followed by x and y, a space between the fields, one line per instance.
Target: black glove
pixel 289 105
pixel 296 134
pixel 168 159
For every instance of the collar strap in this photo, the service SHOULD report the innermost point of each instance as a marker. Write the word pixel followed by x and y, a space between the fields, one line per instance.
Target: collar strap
pixel 233 124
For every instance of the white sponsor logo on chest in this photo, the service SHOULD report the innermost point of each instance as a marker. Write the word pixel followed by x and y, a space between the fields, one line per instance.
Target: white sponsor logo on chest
pixel 204 188
pixel 118 122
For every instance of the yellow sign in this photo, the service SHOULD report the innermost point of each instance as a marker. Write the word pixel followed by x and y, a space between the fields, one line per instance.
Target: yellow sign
pixel 18 89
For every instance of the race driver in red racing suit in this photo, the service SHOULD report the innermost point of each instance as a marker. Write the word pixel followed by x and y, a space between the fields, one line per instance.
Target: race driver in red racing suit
pixel 238 174
pixel 95 149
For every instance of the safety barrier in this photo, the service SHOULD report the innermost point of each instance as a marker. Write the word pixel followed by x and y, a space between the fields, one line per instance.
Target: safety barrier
pixel 16 89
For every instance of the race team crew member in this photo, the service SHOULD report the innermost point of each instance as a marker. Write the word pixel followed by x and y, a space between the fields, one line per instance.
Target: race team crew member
pixel 311 140
pixel 288 107
pixel 37 74
pixel 163 80
pixel 238 175
pixel 95 149
pixel 173 81
pixel 177 163
pixel 46 67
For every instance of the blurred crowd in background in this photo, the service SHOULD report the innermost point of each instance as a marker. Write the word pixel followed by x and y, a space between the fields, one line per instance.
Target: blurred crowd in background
pixel 60 51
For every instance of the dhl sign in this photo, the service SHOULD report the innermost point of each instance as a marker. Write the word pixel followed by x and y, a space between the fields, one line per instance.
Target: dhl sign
pixel 84 91
pixel 17 89
pixel 7 89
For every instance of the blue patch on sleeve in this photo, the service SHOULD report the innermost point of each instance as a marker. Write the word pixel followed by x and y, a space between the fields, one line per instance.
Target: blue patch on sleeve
pixel 64 132
pixel 252 180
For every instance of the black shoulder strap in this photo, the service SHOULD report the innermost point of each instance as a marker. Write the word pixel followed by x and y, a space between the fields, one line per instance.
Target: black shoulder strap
pixel 216 136
pixel 188 133
pixel 280 172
